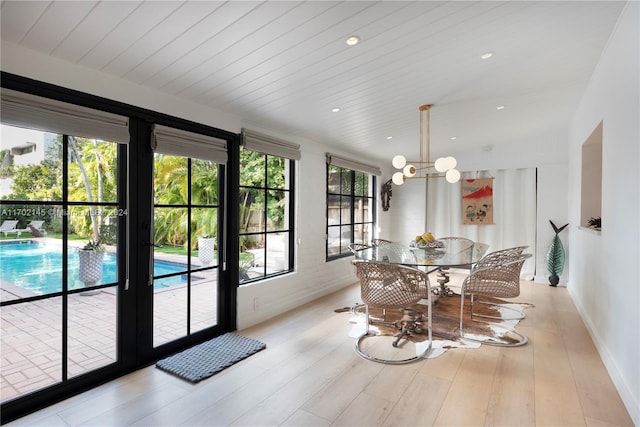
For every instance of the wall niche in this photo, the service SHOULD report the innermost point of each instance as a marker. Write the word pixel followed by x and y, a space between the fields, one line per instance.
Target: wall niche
pixel 591 205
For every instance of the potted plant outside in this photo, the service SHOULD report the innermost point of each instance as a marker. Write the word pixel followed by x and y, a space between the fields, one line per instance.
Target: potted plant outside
pixel 206 248
pixel 90 257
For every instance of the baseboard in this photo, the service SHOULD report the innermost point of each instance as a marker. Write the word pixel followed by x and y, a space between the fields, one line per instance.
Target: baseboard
pixel 630 401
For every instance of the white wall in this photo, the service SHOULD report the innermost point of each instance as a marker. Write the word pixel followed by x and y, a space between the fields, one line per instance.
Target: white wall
pixel 605 272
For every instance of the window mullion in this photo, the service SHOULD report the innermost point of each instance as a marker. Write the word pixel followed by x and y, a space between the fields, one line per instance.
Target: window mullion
pixel 65 257
pixel 353 206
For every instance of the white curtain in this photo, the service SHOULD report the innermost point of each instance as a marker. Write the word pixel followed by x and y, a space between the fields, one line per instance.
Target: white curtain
pixel 514 212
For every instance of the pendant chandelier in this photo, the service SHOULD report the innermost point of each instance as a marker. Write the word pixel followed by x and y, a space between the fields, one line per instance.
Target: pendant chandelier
pixel 424 168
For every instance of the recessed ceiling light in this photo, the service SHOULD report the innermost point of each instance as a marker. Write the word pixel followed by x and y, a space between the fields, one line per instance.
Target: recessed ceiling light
pixel 453 138
pixel 353 40
pixel 335 110
pixel 389 137
pixel 500 107
pixel 487 55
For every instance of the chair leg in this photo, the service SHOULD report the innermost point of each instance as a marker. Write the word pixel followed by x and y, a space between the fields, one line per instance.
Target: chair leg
pixel 522 338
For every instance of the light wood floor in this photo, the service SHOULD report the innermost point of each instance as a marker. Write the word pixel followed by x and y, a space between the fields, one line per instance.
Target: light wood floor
pixel 310 375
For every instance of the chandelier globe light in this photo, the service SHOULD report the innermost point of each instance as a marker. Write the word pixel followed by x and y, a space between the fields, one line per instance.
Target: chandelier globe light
pixel 445 167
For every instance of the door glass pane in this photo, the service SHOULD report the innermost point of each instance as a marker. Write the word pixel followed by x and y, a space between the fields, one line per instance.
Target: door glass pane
pixel 204 182
pixel 204 299
pixel 30 267
pixel 92 330
pixel 31 164
pixel 31 346
pixel 169 312
pixel 34 218
pixel 170 180
pixel 204 244
pixel 186 258
pixel 92 170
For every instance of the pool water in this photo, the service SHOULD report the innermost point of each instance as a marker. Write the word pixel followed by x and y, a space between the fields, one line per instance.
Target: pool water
pixel 37 267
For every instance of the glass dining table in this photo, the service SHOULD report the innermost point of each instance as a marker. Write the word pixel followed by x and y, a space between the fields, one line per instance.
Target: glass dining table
pixel 453 253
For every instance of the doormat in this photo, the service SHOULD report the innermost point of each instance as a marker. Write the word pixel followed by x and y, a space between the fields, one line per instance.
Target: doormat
pixel 208 358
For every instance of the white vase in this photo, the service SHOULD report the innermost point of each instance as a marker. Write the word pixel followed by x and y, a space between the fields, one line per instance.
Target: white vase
pixel 206 247
pixel 90 267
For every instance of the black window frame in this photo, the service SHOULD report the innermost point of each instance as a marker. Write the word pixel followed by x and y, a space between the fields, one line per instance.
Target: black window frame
pixel 265 233
pixel 343 251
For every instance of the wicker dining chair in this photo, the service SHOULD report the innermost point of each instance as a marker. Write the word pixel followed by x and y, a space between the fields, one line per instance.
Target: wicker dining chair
pixel 392 286
pixel 501 280
pixel 495 258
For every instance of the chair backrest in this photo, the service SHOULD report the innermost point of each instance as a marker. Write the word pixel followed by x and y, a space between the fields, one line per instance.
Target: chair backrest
pixel 498 257
pixel 391 285
pixel 380 242
pixel 500 279
pixel 355 247
pixel 460 243
pixel 8 224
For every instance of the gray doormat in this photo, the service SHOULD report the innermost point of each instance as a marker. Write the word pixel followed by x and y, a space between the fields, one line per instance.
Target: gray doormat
pixel 208 358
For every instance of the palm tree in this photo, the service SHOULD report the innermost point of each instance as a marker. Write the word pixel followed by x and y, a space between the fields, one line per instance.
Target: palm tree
pixel 87 185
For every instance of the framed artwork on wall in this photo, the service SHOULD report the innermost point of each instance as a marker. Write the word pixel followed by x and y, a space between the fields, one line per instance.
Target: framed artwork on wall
pixel 477 201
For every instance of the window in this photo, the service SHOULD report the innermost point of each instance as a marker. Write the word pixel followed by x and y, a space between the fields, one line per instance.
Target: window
pixel 266 215
pixel 350 209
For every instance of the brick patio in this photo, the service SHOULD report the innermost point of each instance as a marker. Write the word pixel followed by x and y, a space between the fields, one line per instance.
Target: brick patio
pixel 31 345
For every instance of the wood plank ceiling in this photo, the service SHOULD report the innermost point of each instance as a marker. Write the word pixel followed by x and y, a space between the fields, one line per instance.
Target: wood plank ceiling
pixel 283 65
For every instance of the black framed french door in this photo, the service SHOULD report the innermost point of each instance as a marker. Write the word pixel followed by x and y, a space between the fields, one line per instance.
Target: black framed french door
pixel 95 341
pixel 184 279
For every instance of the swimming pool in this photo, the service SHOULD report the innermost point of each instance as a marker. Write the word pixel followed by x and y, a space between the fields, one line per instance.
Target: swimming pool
pixel 37 267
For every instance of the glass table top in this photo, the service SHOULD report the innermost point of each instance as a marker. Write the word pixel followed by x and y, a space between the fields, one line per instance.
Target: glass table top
pixel 454 253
